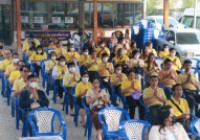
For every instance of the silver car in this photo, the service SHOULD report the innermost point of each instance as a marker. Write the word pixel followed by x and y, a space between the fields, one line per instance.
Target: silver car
pixel 185 41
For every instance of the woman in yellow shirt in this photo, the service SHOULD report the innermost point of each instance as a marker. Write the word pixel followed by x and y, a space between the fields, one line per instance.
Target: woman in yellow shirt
pixel 102 49
pixel 149 44
pixel 145 54
pixel 85 57
pixel 72 55
pixel 175 60
pixel 49 65
pixel 151 65
pixel 165 52
pixel 36 57
pixel 121 57
pixel 80 91
pixel 131 88
pixel 54 43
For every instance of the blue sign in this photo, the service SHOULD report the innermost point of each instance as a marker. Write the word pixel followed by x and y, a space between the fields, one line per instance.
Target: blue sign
pixel 48 34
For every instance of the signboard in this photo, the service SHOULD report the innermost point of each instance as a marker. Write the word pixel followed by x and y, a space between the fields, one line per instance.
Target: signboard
pixel 56 20
pixel 48 34
pixel 69 20
pixel 39 20
pixel 24 19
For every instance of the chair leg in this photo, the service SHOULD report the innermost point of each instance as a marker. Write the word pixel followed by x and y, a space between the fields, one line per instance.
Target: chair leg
pixel 76 115
pixel 90 129
pixel 17 117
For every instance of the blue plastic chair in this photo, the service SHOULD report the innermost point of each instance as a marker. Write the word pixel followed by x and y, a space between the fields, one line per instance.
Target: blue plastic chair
pixel 147 110
pixel 25 59
pixel 42 121
pixel 88 128
pixel 134 129
pixel 3 81
pixel 43 72
pixel 110 119
pixel 195 127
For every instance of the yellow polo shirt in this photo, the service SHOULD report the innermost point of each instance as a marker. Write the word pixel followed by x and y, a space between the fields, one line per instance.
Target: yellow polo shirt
pixel 60 51
pixel 163 54
pixel 94 67
pixel 10 69
pixel 103 67
pixel 38 57
pixel 49 65
pixel 83 58
pixel 69 56
pixel 19 84
pixel 69 80
pixel 14 76
pixel 121 59
pixel 4 64
pixel 82 87
pixel 100 51
pixel 183 105
pixel 148 93
pixel 126 84
pixel 117 80
pixel 26 46
pixel 182 79
pixel 153 51
pixel 60 69
pixel 178 62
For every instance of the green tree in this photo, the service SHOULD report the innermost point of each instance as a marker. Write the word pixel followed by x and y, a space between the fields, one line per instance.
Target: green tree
pixel 152 6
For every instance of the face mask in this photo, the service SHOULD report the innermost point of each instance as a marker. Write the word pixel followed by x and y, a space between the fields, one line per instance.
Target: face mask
pixel 62 63
pixel 15 60
pixel 73 69
pixel 39 51
pixel 137 57
pixel 102 45
pixel 166 49
pixel 105 59
pixel 71 49
pixel 122 53
pixel 53 57
pixel 33 84
pixel 85 79
pixel 105 80
pixel 85 53
pixel 118 71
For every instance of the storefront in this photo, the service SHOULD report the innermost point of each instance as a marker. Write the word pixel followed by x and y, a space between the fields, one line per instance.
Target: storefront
pixel 69 15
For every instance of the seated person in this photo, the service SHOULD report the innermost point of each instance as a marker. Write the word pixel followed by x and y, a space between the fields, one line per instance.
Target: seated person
pixel 154 97
pixel 27 43
pixel 72 55
pixel 49 65
pixel 145 54
pixel 36 57
pixel 105 65
pixel 32 98
pixel 13 66
pixel 58 73
pixel 54 43
pixel 179 105
pixel 164 53
pixel 8 60
pixel 16 74
pixel 80 91
pixel 131 88
pixel 175 60
pixel 97 99
pixel 133 48
pixel 121 57
pixel 190 84
pixel 106 84
pixel 102 49
pixel 149 44
pixel 167 128
pixel 85 57
pixel 167 77
pixel 70 80
pixel 60 51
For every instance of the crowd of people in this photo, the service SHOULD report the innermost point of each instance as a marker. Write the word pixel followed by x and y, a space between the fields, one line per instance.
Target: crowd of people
pixel 104 71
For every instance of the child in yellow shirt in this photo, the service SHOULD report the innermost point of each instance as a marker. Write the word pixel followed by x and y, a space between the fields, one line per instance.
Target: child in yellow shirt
pixel 72 55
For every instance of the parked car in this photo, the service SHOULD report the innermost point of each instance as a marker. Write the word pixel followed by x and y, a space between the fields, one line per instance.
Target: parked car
pixel 185 41
pixel 158 20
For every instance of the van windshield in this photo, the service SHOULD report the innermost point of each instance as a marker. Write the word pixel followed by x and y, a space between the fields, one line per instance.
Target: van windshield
pixel 188 38
pixel 188 20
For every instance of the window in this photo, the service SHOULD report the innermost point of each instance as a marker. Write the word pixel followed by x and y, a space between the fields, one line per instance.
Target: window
pixel 188 38
pixel 189 20
pixel 170 36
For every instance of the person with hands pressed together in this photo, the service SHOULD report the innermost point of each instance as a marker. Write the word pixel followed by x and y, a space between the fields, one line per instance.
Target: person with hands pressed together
pixel 13 66
pixel 72 55
pixel 154 97
pixel 70 80
pixel 97 99
pixel 85 57
pixel 7 61
pixel 32 98
pixel 190 84
pixel 51 63
pixel 80 91
pixel 102 49
pixel 167 77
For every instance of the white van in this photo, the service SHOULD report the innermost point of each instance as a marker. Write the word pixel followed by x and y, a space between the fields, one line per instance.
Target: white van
pixel 188 18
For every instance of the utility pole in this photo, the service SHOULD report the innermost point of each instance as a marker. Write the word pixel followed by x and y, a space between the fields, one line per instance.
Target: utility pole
pixel 95 19
pixel 166 13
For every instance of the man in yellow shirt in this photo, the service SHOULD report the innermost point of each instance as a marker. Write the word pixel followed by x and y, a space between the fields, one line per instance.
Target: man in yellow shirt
pixel 102 49
pixel 167 77
pixel 189 83
pixel 175 60
pixel 58 73
pixel 105 65
pixel 80 91
pixel 154 97
pixel 13 66
pixel 16 74
pixel 70 80
pixel 131 88
pixel 8 60
pixel 121 57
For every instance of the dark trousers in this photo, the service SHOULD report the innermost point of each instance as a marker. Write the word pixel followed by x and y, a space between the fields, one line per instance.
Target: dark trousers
pixel 154 114
pixel 37 68
pixel 192 98
pixel 71 99
pixel 59 88
pixel 132 103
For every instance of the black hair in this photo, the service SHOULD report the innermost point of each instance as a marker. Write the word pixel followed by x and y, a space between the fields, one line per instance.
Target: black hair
pixel 172 49
pixel 104 54
pixel 95 78
pixel 130 71
pixel 167 61
pixel 118 65
pixel 187 61
pixel 84 73
pixel 15 54
pixel 31 76
pixel 134 52
pixel 40 47
pixel 20 61
pixel 148 43
pixel 148 61
pixel 21 69
pixel 71 64
pixel 175 86
pixel 61 57
pixel 52 53
pixel 85 49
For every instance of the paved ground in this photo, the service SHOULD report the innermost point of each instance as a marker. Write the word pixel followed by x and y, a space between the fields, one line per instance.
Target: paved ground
pixel 8 131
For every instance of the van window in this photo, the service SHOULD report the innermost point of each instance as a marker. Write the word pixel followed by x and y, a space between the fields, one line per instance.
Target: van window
pixel 188 20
